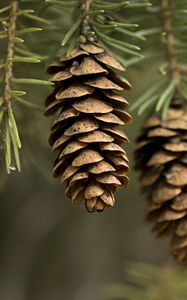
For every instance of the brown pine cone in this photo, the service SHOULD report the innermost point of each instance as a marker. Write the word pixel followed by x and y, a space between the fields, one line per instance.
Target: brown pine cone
pixel 161 156
pixel 85 133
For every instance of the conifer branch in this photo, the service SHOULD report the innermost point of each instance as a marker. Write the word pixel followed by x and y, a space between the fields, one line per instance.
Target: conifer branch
pixel 16 52
pixel 170 48
pixel 10 52
pixel 10 127
pixel 97 22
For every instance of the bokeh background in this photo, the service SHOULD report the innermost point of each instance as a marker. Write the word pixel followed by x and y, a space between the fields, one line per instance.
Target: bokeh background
pixel 50 250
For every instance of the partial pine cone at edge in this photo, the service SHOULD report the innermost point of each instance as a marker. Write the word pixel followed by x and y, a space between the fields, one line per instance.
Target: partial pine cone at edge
pixel 86 132
pixel 161 156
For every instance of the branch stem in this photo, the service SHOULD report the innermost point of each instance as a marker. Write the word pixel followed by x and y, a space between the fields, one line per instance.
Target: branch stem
pixel 10 52
pixel 86 7
pixel 88 4
pixel 171 41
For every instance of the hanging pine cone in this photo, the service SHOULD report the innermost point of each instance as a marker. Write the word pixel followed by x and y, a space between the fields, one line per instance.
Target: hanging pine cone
pixel 161 156
pixel 85 133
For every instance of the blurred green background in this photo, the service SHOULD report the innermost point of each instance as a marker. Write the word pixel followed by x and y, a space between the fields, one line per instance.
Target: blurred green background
pixel 50 250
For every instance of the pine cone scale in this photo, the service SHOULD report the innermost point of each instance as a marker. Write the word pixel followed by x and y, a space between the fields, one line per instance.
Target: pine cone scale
pixel 91 48
pixel 92 105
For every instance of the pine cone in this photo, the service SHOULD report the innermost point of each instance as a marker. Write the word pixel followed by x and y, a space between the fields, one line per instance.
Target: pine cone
pixel 161 156
pixel 85 133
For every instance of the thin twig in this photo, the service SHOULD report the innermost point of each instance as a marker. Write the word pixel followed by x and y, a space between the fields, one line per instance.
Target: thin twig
pixel 10 52
pixel 86 7
pixel 88 4
pixel 171 41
